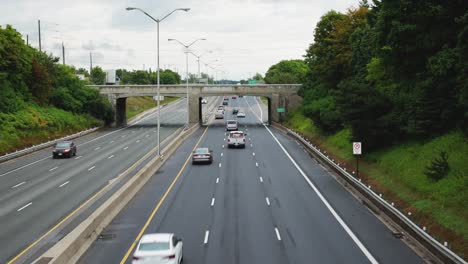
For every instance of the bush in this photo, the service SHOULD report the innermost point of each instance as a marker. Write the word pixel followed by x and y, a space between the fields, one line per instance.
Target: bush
pixel 439 167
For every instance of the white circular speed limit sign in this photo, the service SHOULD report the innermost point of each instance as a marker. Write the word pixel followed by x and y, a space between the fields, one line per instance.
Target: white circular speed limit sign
pixel 357 148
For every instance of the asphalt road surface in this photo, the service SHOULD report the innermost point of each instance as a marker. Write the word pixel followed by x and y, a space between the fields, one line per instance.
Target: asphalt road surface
pixel 37 192
pixel 267 203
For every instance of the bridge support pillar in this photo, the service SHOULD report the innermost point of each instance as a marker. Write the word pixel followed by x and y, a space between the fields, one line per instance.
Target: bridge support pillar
pixel 287 102
pixel 194 110
pixel 121 112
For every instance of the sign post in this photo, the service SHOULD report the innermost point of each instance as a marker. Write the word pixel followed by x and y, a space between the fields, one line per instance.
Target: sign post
pixel 357 151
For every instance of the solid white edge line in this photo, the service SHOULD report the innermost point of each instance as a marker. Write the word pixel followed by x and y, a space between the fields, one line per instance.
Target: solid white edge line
pixel 212 201
pixel 267 201
pixel 63 184
pixel 18 185
pixel 330 208
pixel 91 168
pixel 277 234
pixel 24 207
pixel 207 234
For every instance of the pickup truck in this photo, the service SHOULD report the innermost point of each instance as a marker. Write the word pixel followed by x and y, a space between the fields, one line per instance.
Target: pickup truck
pixel 236 139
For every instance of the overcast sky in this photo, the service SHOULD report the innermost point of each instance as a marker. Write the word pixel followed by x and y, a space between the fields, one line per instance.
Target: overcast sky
pixel 246 36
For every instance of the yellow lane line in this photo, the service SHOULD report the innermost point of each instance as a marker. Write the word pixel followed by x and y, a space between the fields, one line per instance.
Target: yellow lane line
pixel 81 206
pixel 155 210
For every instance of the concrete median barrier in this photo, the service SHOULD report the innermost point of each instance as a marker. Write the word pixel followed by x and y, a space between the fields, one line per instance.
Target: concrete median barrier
pixel 74 244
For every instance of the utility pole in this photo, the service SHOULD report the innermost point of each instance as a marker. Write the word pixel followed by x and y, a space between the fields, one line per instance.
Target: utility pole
pixel 90 63
pixel 63 53
pixel 39 26
pixel 27 39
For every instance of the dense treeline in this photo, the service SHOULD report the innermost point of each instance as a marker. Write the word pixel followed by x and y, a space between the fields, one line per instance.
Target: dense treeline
pixel 287 71
pixel 147 77
pixel 390 70
pixel 32 78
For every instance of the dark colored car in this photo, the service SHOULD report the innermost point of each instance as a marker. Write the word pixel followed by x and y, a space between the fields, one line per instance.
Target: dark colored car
pixel 202 155
pixel 235 111
pixel 240 96
pixel 225 103
pixel 234 97
pixel 64 149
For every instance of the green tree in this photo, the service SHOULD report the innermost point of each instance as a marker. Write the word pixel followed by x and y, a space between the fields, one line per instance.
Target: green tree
pixel 98 76
pixel 287 71
pixel 40 83
pixel 439 167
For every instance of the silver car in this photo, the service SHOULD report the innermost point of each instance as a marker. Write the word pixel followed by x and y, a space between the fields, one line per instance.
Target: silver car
pixel 202 155
pixel 231 125
pixel 219 114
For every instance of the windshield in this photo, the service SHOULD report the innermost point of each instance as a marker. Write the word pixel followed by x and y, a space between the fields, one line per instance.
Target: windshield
pixel 63 145
pixel 202 151
pixel 232 122
pixel 152 246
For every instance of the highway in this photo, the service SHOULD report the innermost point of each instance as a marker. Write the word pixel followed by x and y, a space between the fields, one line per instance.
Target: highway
pixel 267 203
pixel 37 193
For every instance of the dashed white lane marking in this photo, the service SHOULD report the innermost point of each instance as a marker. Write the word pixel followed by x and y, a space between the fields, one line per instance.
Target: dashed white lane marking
pixel 126 147
pixel 253 154
pixel 217 180
pixel 256 164
pixel 123 136
pixel 97 148
pixel 251 145
pixel 112 141
pixel 207 234
pixel 54 168
pixel 137 141
pixel 221 154
pixel 110 157
pixel 147 136
pixel 261 179
pixel 24 207
pixel 223 146
pixel 267 201
pixel 18 185
pixel 212 201
pixel 63 184
pixel 250 139
pixel 79 157
pixel 326 203
pixel 277 234
pixel 220 165
pixel 91 168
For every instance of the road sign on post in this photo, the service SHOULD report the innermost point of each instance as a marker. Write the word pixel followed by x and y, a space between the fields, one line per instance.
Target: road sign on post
pixel 280 110
pixel 357 150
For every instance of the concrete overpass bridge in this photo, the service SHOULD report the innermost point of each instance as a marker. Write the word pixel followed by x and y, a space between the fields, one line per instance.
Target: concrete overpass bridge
pixel 279 96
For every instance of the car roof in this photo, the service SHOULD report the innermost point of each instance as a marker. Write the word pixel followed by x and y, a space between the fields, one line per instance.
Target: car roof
pixel 156 237
pixel 231 120
pixel 236 132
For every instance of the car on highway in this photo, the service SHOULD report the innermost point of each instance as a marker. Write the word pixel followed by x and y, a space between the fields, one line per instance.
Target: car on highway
pixel 235 111
pixel 64 149
pixel 231 125
pixel 241 115
pixel 204 101
pixel 202 155
pixel 234 97
pixel 158 248
pixel 225 98
pixel 221 107
pixel 236 139
pixel 219 114
pixel 241 96
pixel 225 102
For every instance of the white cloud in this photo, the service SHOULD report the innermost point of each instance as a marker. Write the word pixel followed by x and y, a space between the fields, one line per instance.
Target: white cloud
pixel 247 36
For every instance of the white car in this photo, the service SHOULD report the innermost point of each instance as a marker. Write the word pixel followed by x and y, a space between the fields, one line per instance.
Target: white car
pixel 204 101
pixel 158 249
pixel 241 114
pixel 231 125
pixel 236 139
pixel 219 114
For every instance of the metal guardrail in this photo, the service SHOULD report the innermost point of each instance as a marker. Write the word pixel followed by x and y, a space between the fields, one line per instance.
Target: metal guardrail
pixel 44 145
pixel 435 247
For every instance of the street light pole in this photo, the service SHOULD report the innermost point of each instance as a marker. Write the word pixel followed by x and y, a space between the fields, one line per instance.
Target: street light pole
pixel 157 68
pixel 198 61
pixel 186 72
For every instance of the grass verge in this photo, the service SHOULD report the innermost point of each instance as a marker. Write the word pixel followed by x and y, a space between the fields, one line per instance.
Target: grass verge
pixel 398 172
pixel 34 125
pixel 137 105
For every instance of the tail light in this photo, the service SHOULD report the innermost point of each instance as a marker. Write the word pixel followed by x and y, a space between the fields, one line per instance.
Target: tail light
pixel 66 150
pixel 170 256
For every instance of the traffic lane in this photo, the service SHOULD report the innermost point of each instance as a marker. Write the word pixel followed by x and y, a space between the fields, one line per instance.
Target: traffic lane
pixel 369 229
pixel 33 159
pixel 242 229
pixel 125 227
pixel 56 198
pixel 20 178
